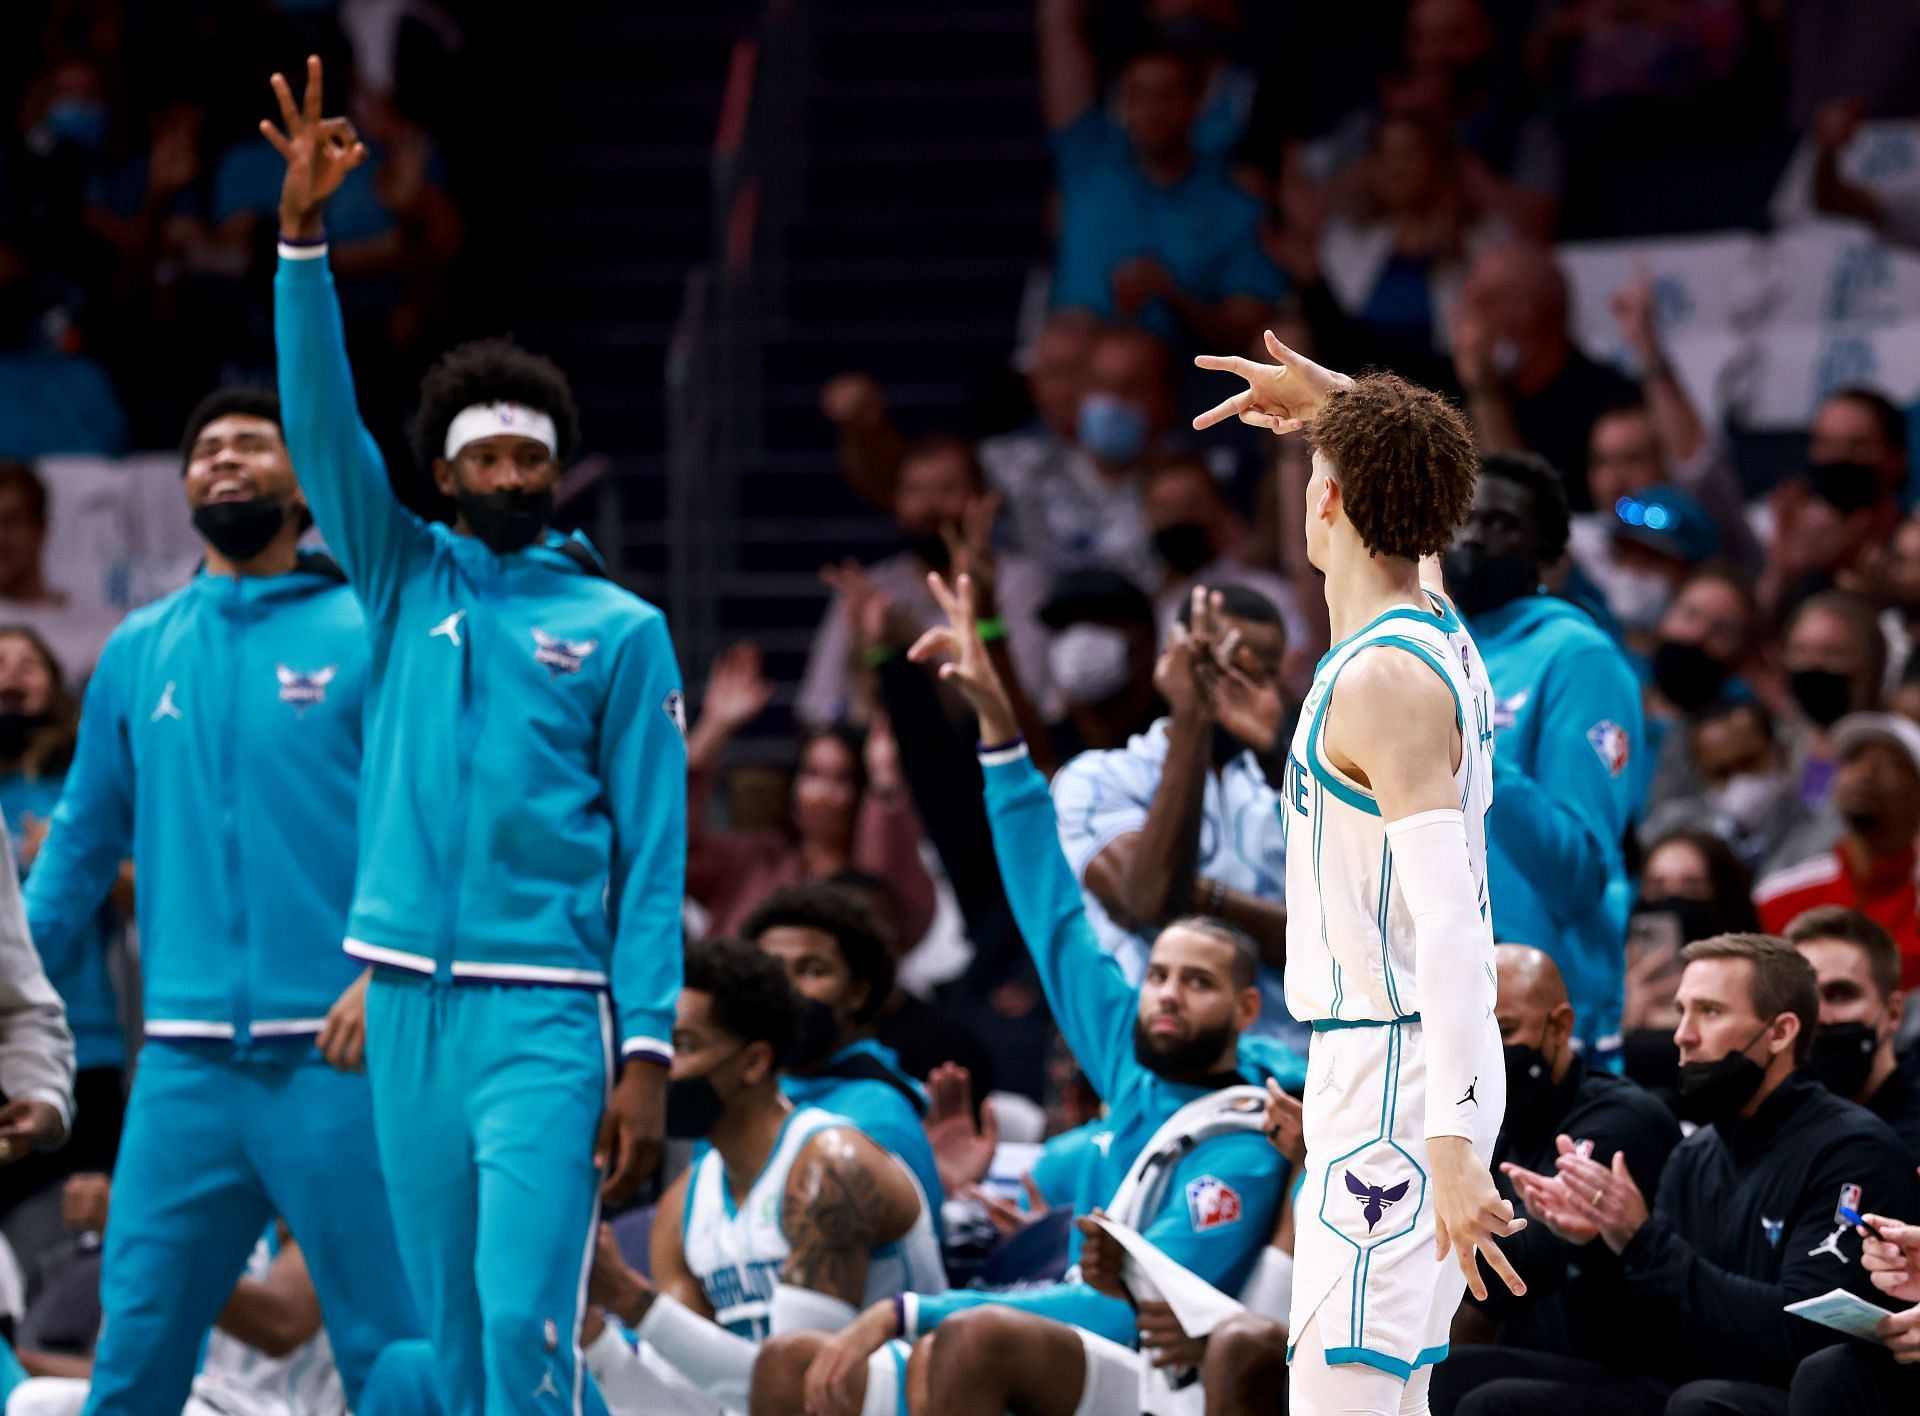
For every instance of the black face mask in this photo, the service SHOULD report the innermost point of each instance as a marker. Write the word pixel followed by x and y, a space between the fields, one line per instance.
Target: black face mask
pixel 17 730
pixel 693 1108
pixel 1195 1057
pixel 1481 583
pixel 813 1039
pixel 1842 1056
pixel 1185 546
pixel 505 521
pixel 1648 1056
pixel 930 547
pixel 240 530
pixel 1844 486
pixel 1529 1086
pixel 1697 919
pixel 1711 1092
pixel 1823 695
pixel 1687 676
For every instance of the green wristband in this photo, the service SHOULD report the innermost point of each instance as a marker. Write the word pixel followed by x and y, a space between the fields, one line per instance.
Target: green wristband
pixel 991 631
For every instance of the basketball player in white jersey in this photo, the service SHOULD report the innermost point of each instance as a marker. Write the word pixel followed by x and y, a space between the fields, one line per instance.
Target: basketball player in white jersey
pixel 1389 949
pixel 791 1219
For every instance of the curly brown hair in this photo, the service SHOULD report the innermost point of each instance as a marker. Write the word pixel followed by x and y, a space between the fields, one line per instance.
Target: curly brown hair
pixel 1404 461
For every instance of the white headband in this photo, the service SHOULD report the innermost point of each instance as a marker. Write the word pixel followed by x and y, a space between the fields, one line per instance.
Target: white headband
pixel 487 420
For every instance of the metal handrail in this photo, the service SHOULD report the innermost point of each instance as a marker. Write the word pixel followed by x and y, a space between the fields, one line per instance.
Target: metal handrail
pixel 714 384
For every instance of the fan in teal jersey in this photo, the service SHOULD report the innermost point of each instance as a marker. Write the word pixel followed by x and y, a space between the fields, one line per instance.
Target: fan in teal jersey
pixel 523 837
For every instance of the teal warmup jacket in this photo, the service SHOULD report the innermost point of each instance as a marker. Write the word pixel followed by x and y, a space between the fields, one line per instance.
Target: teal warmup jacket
pixel 1568 734
pixel 220 747
pixel 524 818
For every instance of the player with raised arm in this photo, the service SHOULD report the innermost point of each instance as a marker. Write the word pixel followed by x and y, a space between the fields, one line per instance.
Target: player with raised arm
pixel 522 835
pixel 1389 950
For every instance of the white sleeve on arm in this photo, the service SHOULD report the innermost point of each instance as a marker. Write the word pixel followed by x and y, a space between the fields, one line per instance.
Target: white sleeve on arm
pixel 714 1359
pixel 1431 863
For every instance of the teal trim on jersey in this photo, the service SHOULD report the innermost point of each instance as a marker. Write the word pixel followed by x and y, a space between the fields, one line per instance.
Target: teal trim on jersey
pixel 1363 1255
pixel 1393 1366
pixel 899 1351
pixel 1338 1024
pixel 1351 795
pixel 1386 898
pixel 726 1190
pixel 1319 832
pixel 1407 612
pixel 1419 650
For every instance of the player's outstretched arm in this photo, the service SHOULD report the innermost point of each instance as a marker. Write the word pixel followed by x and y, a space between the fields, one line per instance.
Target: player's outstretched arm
pixel 1393 721
pixel 1091 1000
pixel 1281 397
pixel 339 465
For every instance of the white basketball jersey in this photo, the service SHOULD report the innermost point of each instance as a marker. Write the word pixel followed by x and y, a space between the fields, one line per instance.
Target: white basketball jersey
pixel 737 1252
pixel 244 1381
pixel 1350 945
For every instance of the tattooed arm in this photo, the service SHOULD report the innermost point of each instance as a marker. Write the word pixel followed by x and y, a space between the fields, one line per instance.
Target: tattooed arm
pixel 845 1196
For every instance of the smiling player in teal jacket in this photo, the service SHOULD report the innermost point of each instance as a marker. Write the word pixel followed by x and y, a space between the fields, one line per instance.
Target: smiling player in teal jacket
pixel 1568 736
pixel 523 830
pixel 220 747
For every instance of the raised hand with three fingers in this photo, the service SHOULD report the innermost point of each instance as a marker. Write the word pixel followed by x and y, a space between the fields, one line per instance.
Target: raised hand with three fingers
pixel 967 668
pixel 1281 397
pixel 320 152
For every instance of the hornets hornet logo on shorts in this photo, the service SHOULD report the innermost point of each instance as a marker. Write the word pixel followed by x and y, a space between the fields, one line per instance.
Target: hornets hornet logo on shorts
pixel 304 691
pixel 1375 1200
pixel 561 656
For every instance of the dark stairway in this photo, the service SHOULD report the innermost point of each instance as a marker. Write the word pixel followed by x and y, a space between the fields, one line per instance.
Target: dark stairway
pixel 921 216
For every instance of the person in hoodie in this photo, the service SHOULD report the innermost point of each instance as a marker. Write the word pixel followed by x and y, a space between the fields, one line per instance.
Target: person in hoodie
pixel 220 747
pixel 841 968
pixel 1568 742
pixel 524 831
pixel 1150 1049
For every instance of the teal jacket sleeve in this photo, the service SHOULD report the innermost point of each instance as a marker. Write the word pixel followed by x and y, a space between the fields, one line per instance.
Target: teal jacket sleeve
pixel 643 761
pixel 91 830
pixel 1219 1212
pixel 1221 1206
pixel 1072 1303
pixel 1562 818
pixel 376 540
pixel 1093 1004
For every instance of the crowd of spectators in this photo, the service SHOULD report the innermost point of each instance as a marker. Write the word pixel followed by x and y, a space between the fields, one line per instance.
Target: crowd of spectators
pixel 1708 687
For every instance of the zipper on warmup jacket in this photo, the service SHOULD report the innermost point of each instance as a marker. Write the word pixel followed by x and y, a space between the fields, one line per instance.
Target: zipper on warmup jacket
pixel 472 722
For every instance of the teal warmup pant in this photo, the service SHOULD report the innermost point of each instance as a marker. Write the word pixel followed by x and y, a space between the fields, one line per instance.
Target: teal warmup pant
pixel 218 1141
pixel 406 1382
pixel 486 1098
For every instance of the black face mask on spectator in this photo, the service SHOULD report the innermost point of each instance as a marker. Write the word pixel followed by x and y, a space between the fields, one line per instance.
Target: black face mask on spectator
pixel 1696 919
pixel 1529 1086
pixel 240 530
pixel 1481 583
pixel 17 730
pixel 506 521
pixel 1687 676
pixel 1842 1057
pixel 930 547
pixel 1184 546
pixel 1823 695
pixel 813 1039
pixel 1710 1092
pixel 1844 486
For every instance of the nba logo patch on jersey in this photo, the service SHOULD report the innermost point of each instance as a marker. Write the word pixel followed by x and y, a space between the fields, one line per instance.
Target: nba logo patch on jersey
pixel 1609 740
pixel 1211 1203
pixel 1849 1200
pixel 675 707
